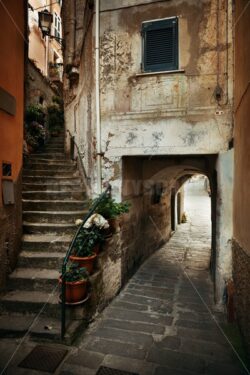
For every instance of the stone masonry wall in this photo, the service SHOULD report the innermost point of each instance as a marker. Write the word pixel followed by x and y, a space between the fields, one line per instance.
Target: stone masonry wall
pixel 241 272
pixel 148 223
pixel 38 86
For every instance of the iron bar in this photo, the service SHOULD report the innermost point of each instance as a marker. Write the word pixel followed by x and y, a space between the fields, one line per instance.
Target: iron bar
pixel 73 142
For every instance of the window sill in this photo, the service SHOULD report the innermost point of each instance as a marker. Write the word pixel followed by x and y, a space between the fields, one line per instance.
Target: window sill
pixel 161 72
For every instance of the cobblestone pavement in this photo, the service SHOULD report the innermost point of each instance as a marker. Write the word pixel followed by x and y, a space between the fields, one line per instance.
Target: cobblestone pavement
pixel 160 323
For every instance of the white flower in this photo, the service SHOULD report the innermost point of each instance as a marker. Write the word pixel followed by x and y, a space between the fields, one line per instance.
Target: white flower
pixel 78 222
pixel 97 220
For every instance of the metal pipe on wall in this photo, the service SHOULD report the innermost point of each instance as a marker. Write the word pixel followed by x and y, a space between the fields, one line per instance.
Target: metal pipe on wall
pixel 97 87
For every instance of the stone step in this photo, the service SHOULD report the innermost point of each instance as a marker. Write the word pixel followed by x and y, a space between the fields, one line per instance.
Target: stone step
pixel 34 302
pixel 52 187
pixel 53 140
pixel 48 172
pixel 34 279
pixel 59 142
pixel 52 180
pixel 55 205
pixel 50 161
pixel 53 149
pixel 54 195
pixel 18 325
pixel 42 259
pixel 45 243
pixel 54 216
pixel 37 328
pixel 49 155
pixel 67 166
pixel 50 228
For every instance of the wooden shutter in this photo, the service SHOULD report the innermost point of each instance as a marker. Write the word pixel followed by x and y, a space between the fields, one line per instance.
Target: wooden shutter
pixel 160 45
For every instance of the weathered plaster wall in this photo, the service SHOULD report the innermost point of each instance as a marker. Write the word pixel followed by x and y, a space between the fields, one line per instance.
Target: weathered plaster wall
pixel 80 109
pixel 241 248
pixel 160 114
pixel 224 222
pixel 165 113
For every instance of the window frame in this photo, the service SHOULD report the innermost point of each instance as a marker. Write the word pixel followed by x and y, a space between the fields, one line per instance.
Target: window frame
pixel 155 25
pixel 57 26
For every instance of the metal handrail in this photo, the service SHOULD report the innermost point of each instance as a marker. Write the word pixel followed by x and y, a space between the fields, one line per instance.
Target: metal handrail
pixel 66 258
pixel 72 140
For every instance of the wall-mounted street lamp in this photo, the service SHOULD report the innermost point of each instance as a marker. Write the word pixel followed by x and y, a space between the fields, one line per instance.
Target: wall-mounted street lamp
pixel 45 21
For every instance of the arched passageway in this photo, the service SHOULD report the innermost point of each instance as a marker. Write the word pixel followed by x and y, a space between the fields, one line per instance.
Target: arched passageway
pixel 152 186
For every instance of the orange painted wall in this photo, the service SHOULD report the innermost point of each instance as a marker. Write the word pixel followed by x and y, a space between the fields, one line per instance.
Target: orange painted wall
pixel 12 80
pixel 242 126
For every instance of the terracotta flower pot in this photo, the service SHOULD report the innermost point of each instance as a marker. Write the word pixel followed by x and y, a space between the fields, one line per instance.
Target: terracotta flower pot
pixel 76 291
pixel 87 262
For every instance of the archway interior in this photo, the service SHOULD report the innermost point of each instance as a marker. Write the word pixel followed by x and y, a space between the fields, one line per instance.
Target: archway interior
pixel 151 184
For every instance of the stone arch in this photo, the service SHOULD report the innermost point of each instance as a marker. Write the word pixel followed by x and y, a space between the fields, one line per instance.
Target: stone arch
pixel 149 225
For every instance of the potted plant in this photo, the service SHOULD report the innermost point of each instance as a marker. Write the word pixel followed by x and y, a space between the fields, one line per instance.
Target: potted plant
pixel 110 210
pixel 85 248
pixel 88 241
pixel 35 131
pixel 76 279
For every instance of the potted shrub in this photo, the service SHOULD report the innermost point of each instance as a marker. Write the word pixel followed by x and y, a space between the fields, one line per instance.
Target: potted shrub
pixel 88 241
pixel 86 247
pixel 110 210
pixel 35 131
pixel 76 279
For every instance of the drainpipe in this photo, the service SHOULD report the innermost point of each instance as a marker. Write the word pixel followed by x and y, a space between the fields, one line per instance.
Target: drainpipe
pixel 69 12
pixel 97 88
pixel 46 56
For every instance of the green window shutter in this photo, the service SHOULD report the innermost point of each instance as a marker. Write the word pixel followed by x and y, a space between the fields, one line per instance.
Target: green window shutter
pixel 160 45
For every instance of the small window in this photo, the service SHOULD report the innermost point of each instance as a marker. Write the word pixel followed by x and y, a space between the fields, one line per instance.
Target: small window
pixel 157 191
pixel 160 45
pixel 57 26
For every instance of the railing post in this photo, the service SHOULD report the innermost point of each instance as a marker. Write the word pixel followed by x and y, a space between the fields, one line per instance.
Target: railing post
pixel 107 192
pixel 72 147
pixel 63 313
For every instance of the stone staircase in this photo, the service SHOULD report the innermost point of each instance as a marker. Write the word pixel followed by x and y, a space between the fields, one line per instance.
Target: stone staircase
pixel 53 198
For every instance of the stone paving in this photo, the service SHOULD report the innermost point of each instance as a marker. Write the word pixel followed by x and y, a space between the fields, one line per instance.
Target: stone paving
pixel 162 323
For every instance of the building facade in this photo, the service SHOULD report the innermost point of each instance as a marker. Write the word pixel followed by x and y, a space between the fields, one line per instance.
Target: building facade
pixel 46 52
pixel 166 97
pixel 13 22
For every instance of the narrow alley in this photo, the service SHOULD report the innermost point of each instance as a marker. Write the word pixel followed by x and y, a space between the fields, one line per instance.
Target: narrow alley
pixel 124 187
pixel 163 322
